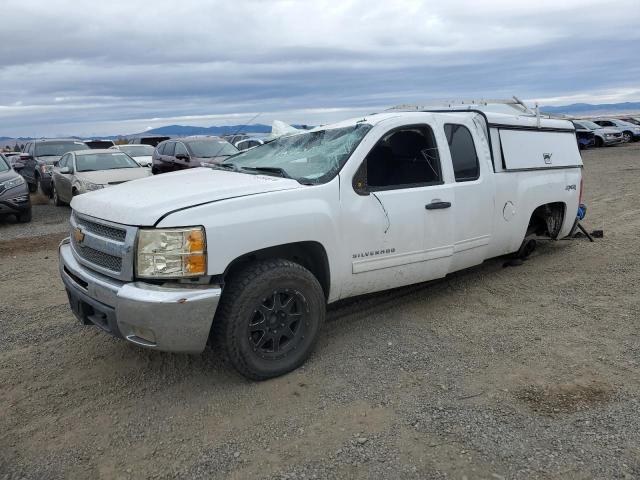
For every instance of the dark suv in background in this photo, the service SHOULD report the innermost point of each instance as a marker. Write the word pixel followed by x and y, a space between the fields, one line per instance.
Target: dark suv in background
pixel 14 196
pixel 39 158
pixel 190 152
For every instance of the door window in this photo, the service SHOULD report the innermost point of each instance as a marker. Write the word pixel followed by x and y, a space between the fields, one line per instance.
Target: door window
pixel 169 148
pixel 403 158
pixel 463 152
pixel 63 161
pixel 180 149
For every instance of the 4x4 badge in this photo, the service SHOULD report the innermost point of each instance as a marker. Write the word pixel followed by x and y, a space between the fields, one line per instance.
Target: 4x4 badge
pixel 78 235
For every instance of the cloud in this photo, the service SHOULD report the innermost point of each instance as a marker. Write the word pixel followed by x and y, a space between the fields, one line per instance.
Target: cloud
pixel 119 67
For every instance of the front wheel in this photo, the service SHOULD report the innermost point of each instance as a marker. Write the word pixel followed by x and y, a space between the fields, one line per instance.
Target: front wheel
pixel 33 187
pixel 56 199
pixel 24 217
pixel 269 318
pixel 627 137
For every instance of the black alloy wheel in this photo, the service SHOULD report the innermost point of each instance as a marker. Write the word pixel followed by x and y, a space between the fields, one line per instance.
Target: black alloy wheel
pixel 269 317
pixel 278 324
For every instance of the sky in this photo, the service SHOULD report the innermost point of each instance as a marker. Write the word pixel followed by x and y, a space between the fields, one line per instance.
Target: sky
pixel 92 68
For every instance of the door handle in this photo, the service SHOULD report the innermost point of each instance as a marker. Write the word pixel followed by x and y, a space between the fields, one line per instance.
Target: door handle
pixel 437 205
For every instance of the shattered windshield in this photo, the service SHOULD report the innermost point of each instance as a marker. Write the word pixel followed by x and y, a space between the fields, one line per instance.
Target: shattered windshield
pixel 310 157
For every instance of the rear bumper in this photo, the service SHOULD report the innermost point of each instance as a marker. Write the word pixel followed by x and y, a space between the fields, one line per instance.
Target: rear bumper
pixel 172 319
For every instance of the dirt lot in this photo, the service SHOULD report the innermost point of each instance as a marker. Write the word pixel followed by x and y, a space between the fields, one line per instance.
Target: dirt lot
pixel 520 372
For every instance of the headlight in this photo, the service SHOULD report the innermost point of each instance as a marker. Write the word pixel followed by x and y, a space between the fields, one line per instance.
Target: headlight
pixel 171 253
pixel 88 186
pixel 12 183
pixel 46 168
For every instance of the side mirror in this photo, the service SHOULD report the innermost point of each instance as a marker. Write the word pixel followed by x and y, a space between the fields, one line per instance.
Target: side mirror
pixel 182 156
pixel 65 170
pixel 360 180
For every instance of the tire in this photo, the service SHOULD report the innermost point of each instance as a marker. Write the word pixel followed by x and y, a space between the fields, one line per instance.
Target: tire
pixel 24 217
pixel 56 199
pixel 33 187
pixel 627 137
pixel 269 318
pixel 599 142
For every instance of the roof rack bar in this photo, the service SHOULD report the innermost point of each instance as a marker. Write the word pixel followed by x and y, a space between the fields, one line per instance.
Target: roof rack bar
pixel 468 103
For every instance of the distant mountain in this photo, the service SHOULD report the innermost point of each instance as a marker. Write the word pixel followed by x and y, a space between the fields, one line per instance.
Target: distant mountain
pixel 589 109
pixel 185 130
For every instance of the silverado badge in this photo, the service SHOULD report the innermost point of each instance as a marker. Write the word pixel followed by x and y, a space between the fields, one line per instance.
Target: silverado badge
pixel 78 235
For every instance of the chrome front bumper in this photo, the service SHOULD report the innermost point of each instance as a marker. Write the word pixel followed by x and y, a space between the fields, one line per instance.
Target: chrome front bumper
pixel 172 319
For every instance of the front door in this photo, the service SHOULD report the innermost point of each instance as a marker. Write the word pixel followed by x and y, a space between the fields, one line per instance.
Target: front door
pixel 397 215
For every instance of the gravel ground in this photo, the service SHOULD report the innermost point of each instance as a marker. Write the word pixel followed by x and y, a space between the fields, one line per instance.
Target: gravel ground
pixel 519 372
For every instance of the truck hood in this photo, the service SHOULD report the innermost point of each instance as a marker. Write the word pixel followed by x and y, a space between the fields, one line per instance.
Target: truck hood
pixel 144 201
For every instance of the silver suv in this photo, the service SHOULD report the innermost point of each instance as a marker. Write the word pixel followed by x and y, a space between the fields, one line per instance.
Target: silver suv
pixel 630 132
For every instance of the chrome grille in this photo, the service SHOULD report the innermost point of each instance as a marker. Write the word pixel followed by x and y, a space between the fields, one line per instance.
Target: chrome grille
pixel 104 260
pixel 103 246
pixel 116 234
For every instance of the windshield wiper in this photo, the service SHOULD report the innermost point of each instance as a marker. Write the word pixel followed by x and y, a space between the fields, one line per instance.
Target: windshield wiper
pixel 278 171
pixel 224 166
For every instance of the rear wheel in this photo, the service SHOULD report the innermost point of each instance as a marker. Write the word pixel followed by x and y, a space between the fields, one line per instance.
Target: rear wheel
pixel 269 318
pixel 33 187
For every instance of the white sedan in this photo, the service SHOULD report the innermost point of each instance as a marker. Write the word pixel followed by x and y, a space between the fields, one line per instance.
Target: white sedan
pixel 140 153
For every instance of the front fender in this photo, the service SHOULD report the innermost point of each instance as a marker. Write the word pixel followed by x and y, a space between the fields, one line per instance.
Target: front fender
pixel 237 226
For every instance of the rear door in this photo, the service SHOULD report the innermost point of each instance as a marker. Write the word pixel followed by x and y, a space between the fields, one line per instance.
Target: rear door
pixel 167 162
pixel 474 188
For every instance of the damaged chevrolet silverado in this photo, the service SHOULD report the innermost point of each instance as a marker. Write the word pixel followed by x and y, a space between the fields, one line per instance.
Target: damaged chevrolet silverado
pixel 246 255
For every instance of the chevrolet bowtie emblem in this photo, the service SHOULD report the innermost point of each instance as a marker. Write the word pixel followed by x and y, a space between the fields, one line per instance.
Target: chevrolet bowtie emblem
pixel 78 235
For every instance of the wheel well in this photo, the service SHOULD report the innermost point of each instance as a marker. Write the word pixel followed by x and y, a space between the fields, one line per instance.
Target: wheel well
pixel 310 255
pixel 547 220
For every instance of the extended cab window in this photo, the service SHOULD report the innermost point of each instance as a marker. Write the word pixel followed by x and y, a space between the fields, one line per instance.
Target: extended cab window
pixel 463 152
pixel 407 157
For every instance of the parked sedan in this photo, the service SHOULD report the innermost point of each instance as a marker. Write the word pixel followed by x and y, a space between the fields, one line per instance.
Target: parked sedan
pixel 604 136
pixel 87 170
pixel 14 194
pixel 630 132
pixel 190 152
pixel 140 153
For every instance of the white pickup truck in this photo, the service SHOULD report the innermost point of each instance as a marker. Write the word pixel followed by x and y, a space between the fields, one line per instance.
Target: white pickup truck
pixel 247 254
